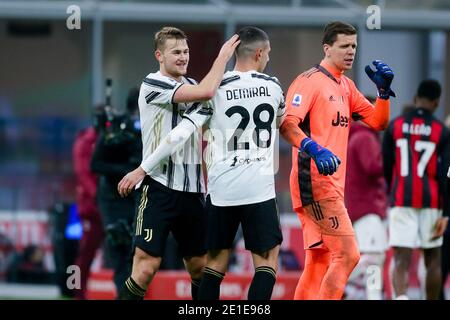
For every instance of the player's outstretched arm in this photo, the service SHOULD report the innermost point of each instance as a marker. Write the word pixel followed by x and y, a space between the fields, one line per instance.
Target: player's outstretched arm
pixel 170 144
pixel 206 89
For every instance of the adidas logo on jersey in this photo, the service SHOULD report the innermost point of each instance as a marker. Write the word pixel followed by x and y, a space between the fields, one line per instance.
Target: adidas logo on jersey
pixel 333 98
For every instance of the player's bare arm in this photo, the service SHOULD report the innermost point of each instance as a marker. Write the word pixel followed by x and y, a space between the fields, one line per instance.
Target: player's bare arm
pixel 440 227
pixel 130 180
pixel 206 89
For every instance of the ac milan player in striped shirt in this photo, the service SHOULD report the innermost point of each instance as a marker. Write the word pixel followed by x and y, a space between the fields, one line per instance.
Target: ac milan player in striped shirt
pixel 415 151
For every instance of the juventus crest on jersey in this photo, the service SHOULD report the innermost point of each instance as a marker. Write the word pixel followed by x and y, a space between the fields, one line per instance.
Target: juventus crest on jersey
pixel 181 171
pixel 242 137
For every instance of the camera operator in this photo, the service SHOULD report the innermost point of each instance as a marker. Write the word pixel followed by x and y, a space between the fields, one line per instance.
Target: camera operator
pixel 118 150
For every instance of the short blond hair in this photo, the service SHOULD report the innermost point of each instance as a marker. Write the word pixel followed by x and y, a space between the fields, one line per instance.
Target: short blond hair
pixel 168 33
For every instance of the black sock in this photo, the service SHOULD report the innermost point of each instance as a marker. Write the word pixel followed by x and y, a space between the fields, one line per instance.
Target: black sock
pixel 131 291
pixel 195 284
pixel 210 285
pixel 262 284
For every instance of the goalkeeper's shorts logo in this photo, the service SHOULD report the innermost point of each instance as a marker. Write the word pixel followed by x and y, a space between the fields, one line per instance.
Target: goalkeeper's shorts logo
pixel 334 222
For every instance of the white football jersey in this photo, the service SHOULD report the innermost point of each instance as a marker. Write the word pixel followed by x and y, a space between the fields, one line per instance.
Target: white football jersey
pixel 159 115
pixel 242 137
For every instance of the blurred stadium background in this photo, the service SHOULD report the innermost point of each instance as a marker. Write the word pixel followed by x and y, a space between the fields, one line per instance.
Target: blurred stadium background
pixel 51 77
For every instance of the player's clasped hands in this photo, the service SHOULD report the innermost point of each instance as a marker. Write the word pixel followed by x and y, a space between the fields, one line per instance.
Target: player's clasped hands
pixel 129 181
pixel 326 161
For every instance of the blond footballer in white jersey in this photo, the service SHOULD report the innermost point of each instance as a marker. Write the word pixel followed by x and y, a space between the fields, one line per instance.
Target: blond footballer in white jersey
pixel 182 170
pixel 171 195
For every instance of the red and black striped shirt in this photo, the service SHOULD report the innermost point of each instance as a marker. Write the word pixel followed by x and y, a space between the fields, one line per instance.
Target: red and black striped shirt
pixel 415 152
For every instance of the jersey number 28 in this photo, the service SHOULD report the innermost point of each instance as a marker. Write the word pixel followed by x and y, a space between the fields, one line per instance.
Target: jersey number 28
pixel 233 143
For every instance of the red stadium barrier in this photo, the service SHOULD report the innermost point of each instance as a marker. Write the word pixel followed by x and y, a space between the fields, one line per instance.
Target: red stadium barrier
pixel 176 285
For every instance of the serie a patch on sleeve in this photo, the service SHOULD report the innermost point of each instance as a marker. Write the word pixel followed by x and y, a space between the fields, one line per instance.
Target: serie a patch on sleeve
pixel 297 100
